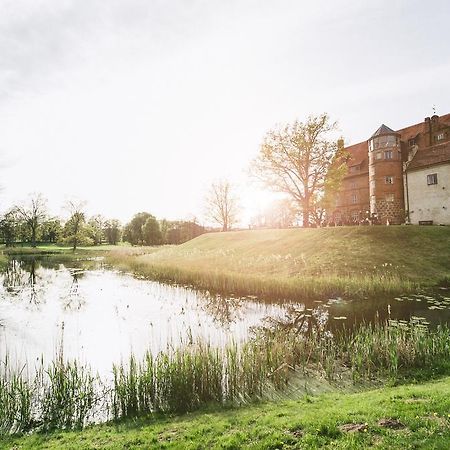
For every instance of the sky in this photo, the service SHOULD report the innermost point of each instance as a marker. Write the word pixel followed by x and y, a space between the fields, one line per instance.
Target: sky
pixel 139 105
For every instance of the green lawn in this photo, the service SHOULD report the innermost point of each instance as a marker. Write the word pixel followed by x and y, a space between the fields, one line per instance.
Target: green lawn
pixel 311 422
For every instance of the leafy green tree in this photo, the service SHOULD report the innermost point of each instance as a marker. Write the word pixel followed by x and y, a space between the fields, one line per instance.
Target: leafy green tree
pixel 151 232
pixel 332 184
pixel 96 227
pixel 51 230
pixel 133 232
pixel 8 228
pixel 294 159
pixel 181 231
pixel 112 231
pixel 75 232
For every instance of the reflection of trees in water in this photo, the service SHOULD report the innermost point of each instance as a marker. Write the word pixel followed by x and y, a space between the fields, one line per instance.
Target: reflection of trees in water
pixel 20 276
pixel 23 278
pixel 223 310
pixel 300 320
pixel 73 300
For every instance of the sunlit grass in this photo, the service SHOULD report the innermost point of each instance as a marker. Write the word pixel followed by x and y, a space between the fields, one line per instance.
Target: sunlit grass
pixel 301 264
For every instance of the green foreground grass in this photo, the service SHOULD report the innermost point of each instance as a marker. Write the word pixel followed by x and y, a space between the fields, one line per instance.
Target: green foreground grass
pixel 307 423
pixel 302 263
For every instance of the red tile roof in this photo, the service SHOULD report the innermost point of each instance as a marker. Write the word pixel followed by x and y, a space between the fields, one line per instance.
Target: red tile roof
pixel 359 151
pixel 412 131
pixel 430 156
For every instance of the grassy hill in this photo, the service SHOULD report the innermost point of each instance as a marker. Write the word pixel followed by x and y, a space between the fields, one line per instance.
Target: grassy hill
pixel 298 263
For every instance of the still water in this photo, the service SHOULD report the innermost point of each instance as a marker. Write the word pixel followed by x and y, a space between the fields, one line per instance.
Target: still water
pixel 99 315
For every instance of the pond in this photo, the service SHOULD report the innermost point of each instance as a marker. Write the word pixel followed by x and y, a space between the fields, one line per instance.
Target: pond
pixel 99 315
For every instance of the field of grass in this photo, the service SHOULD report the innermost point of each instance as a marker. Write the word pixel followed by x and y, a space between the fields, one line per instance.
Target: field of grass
pixel 420 413
pixel 302 263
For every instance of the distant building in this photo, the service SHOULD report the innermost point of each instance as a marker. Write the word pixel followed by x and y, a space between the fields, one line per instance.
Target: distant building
pixel 398 176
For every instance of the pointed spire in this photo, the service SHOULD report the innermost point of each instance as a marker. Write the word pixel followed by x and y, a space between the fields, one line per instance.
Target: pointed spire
pixel 383 130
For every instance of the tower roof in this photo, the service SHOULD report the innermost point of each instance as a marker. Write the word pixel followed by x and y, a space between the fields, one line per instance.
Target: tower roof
pixel 383 130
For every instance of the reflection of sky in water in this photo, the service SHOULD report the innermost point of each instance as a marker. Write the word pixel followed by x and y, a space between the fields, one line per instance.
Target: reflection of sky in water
pixel 102 315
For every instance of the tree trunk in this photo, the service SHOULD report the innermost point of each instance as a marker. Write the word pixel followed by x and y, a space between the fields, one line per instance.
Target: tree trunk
pixel 305 212
pixel 33 237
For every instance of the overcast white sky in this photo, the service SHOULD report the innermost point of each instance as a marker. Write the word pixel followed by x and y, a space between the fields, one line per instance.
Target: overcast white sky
pixel 139 104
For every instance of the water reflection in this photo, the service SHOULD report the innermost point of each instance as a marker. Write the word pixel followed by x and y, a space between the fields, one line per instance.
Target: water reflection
pixel 102 315
pixel 30 279
pixel 105 315
pixel 301 320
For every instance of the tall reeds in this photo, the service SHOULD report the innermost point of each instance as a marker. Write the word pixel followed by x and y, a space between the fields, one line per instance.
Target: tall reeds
pixel 67 395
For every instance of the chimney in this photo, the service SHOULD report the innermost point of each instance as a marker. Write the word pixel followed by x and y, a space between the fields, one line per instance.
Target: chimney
pixel 427 129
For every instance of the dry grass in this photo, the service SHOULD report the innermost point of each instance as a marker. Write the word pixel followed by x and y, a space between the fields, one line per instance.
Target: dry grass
pixel 299 263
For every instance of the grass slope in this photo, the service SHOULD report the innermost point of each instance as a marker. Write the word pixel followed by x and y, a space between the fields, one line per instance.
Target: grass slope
pixel 303 262
pixel 307 423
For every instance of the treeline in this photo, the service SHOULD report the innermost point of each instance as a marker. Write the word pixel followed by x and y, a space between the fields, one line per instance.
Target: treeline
pixel 31 224
pixel 145 229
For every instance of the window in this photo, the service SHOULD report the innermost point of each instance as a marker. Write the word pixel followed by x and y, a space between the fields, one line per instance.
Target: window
pixel 389 198
pixel 353 184
pixel 355 216
pixel 389 179
pixel 432 179
pixel 379 155
pixel 411 142
pixel 388 154
pixel 354 198
pixel 440 136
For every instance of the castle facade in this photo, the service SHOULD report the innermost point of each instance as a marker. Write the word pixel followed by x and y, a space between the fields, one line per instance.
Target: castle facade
pixel 398 176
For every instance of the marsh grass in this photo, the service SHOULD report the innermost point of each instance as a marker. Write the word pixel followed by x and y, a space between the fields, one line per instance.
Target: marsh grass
pixel 300 264
pixel 66 395
pixel 183 379
pixel 270 288
pixel 16 394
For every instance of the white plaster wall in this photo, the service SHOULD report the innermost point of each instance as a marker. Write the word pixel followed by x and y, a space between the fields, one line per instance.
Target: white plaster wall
pixel 430 202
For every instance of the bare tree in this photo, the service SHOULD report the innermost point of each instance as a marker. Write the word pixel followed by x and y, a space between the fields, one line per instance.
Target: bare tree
pixel 33 214
pixel 222 205
pixel 294 159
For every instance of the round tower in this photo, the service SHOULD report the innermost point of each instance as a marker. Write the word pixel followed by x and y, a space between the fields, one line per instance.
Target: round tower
pixel 386 177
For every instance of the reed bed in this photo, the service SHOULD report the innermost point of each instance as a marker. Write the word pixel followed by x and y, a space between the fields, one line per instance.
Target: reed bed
pixel 270 288
pixel 67 395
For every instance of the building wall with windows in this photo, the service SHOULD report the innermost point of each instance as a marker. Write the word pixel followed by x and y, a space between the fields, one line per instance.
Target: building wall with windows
pixel 376 187
pixel 429 194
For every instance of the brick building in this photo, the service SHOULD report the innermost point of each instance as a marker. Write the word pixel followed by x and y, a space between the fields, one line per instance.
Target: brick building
pixel 398 176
